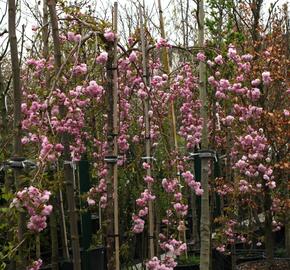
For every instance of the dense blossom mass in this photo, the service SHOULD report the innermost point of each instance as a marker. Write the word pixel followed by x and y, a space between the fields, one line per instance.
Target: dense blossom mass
pixel 91 94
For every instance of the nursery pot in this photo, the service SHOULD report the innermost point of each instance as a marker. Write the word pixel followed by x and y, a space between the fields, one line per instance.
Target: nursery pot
pixel 97 258
pixel 187 267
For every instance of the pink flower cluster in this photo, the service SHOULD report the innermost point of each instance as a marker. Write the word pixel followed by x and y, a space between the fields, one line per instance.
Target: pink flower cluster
pixel 170 185
pixel 255 148
pixel 224 190
pixel 190 181
pixel 138 225
pixel 34 201
pixel 80 69
pixel 201 56
pixel 71 36
pixel 185 86
pixel 102 58
pixel 35 265
pixel 39 118
pixel 167 263
pixel 162 43
pixel 109 35
pixel 100 190
pixel 146 196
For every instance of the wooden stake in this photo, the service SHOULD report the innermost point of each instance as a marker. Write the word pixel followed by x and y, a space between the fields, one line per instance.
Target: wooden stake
pixel 147 133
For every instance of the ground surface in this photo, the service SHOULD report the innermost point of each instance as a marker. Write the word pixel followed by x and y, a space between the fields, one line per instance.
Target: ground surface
pixel 277 264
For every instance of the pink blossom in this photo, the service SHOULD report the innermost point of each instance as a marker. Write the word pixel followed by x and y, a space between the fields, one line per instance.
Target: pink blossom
pixel 109 35
pixel 161 42
pixel 35 265
pixel 201 56
pixel 148 179
pixel 132 57
pixel 91 202
pixel 266 77
pixel 102 58
pixel 219 60
pixel 138 225
pixel 228 120
pixel 221 248
pixel 255 82
pixel 145 165
pixel 47 209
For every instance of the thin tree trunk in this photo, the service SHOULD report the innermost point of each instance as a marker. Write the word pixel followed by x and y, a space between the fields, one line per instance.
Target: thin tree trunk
pixel 112 220
pixel 147 134
pixel 17 95
pixel 205 214
pixel 166 66
pixel 115 150
pixel 269 240
pixel 45 28
pixel 54 240
pixel 52 219
pixel 37 245
pixel 195 235
pixel 68 165
pixel 64 240
pixel 4 116
pixel 287 234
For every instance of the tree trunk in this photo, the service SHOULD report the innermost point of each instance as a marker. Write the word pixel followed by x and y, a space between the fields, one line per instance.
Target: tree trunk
pixel 147 134
pixel 205 214
pixel 54 239
pixel 45 30
pixel 287 234
pixel 68 165
pixel 17 95
pixel 269 239
pixel 195 235
pixel 4 116
pixel 112 220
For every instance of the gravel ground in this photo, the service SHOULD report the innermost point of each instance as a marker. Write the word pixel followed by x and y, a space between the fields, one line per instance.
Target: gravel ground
pixel 277 264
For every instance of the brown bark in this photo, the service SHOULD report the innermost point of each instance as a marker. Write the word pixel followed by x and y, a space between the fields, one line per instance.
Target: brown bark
pixel 4 116
pixel 17 95
pixel 45 28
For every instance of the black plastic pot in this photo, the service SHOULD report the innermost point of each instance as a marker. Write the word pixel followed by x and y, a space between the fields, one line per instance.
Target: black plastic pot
pixel 97 259
pixel 66 266
pixel 186 267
